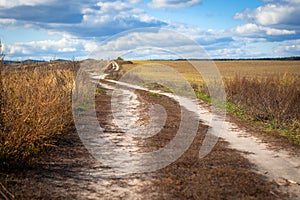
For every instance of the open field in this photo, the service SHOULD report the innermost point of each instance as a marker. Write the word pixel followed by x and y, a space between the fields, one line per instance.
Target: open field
pixel 264 92
pixel 66 171
pixel 37 125
pixel 228 69
pixel 36 104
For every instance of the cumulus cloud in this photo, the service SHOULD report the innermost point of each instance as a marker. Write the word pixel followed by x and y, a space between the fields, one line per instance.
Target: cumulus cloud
pixel 8 22
pixel 276 20
pixel 161 4
pixel 87 20
pixel 82 19
pixel 47 49
pixel 144 43
pixel 256 30
pixel 165 43
pixel 274 13
pixel 78 22
pixel 161 43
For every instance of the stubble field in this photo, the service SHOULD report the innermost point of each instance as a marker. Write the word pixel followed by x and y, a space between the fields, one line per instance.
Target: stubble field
pixel 263 92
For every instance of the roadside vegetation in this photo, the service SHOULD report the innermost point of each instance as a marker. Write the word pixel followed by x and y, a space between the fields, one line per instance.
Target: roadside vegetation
pixel 35 106
pixel 264 92
pixel 272 102
pixel 35 100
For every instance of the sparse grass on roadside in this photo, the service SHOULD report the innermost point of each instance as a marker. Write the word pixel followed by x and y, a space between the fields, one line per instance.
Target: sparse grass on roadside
pixel 156 86
pixel 153 94
pixel 100 89
pixel 36 106
pixel 272 102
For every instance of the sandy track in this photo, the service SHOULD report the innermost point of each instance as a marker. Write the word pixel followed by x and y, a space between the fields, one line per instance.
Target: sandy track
pixel 67 171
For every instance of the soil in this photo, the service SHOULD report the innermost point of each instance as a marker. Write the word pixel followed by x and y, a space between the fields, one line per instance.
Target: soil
pixel 67 170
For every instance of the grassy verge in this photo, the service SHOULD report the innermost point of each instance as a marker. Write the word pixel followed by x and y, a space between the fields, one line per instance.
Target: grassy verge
pixel 36 105
pixel 272 102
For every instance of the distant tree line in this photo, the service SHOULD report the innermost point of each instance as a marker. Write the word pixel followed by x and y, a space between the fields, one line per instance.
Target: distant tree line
pixel 236 59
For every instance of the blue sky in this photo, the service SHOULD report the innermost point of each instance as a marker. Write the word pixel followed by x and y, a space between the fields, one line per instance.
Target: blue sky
pixel 47 29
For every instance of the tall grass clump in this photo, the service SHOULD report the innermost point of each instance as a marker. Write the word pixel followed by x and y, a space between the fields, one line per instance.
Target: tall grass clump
pixel 36 104
pixel 273 100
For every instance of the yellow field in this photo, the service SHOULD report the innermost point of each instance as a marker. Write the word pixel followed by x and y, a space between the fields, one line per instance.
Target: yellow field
pixel 267 92
pixel 228 69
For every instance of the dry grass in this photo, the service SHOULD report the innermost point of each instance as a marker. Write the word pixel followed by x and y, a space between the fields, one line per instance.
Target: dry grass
pixel 258 69
pixel 273 100
pixel 36 105
pixel 260 91
pixel 35 102
pixel 228 69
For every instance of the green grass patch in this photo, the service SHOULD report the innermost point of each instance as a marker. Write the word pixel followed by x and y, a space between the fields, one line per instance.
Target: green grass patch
pixel 153 94
pixel 100 90
pixel 157 86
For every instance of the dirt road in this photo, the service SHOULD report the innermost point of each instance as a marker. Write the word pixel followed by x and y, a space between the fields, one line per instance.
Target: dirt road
pixel 239 167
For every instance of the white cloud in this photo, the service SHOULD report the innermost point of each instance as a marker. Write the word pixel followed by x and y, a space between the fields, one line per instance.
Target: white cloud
pixel 66 47
pixel 81 19
pixel 251 29
pixel 157 42
pixel 90 46
pixel 161 4
pixel 110 11
pixel 7 22
pixel 18 49
pixel 135 1
pixel 274 13
pixel 277 20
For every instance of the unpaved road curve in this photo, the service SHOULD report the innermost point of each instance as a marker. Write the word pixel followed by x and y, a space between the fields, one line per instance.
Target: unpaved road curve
pixel 68 171
pixel 278 165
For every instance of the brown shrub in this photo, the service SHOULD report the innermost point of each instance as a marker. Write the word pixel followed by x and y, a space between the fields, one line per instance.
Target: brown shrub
pixel 273 99
pixel 36 105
